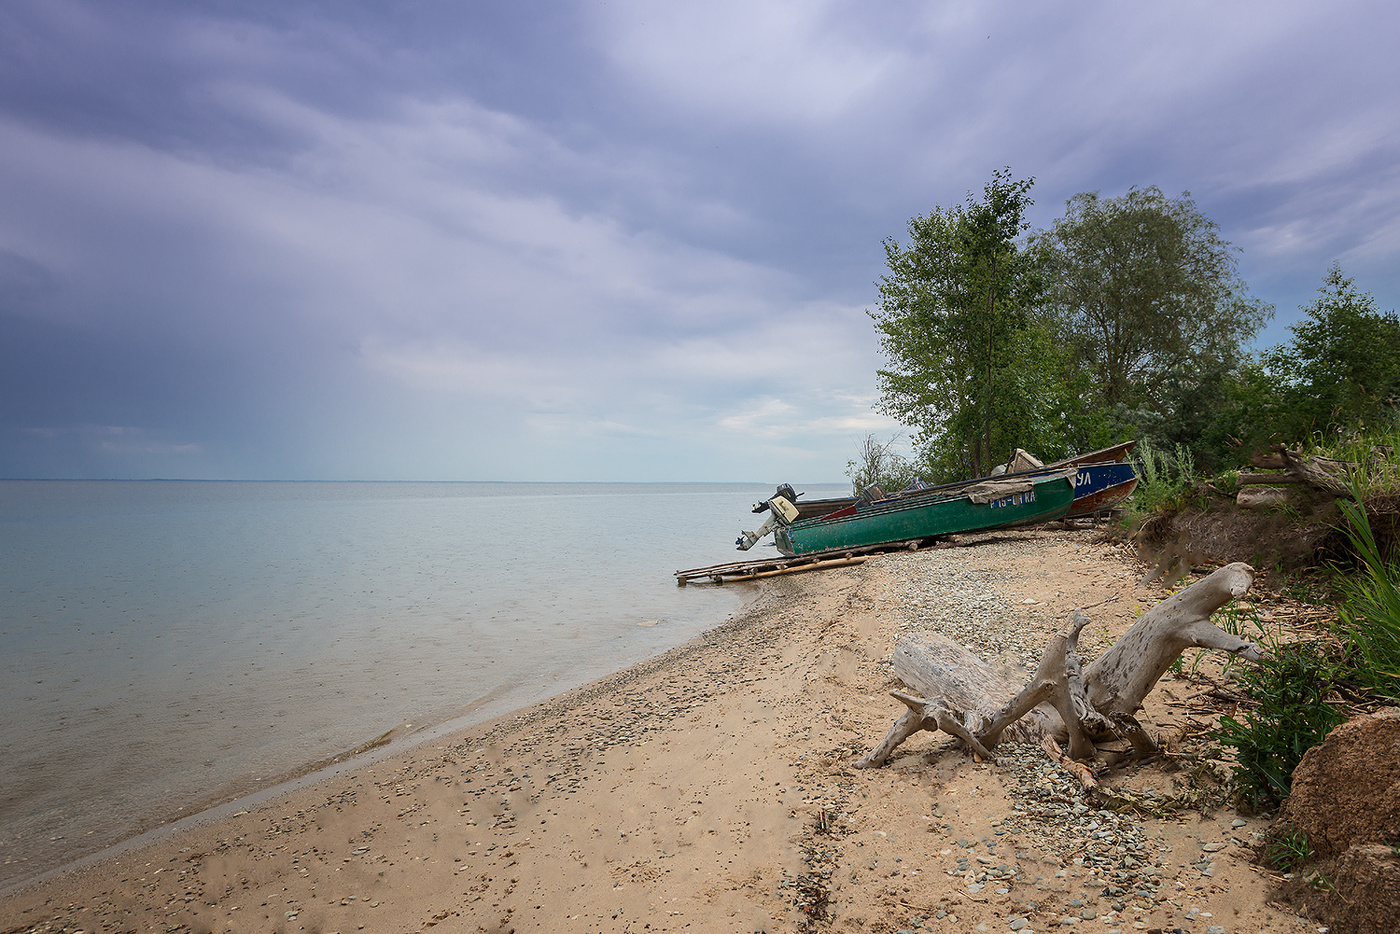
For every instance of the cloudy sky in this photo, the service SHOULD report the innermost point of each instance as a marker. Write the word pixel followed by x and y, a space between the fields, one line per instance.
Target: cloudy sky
pixel 598 240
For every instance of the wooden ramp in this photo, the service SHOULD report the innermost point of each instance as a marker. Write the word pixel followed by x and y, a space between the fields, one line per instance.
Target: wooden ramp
pixel 738 571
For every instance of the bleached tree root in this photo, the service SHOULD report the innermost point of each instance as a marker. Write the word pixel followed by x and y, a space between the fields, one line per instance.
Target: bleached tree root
pixel 1063 702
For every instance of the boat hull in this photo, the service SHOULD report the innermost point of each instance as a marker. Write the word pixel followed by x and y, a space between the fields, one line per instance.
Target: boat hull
pixel 1093 479
pixel 1103 498
pixel 892 521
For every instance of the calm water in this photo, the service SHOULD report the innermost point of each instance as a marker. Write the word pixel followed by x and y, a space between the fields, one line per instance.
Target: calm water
pixel 165 644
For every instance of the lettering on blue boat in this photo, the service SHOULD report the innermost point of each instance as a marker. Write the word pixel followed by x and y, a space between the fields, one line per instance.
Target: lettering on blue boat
pixel 1081 479
pixel 1015 499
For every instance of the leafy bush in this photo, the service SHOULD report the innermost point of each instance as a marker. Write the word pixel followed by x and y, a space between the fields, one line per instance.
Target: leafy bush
pixel 879 463
pixel 1291 714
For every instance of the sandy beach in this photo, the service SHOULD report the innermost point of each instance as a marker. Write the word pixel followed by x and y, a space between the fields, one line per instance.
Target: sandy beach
pixel 711 789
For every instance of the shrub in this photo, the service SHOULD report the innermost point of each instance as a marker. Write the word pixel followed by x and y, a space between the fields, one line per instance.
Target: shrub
pixel 1290 715
pixel 1163 476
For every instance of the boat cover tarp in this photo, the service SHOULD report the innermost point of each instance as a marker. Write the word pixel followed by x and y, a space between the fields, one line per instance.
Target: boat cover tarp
pixel 991 490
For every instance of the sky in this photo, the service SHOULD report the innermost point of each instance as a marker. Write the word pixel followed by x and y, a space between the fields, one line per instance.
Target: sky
pixel 599 241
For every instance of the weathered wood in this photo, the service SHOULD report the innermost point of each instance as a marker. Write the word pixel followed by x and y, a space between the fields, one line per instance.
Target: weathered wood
pixel 1271 460
pixel 978 702
pixel 1119 679
pixel 1262 498
pixel 1322 472
pixel 1253 479
pixel 799 568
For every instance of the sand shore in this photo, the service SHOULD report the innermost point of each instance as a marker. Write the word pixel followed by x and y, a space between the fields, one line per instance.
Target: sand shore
pixel 711 789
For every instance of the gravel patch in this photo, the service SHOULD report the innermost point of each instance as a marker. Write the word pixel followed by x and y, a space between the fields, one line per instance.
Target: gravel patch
pixel 1051 830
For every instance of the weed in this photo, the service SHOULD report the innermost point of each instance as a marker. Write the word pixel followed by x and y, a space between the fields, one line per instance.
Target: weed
pixel 1227 483
pixel 1287 849
pixel 1371 455
pixel 1290 715
pixel 1164 479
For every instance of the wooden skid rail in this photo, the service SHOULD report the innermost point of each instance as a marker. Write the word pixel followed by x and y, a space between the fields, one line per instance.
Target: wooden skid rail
pixel 781 564
pixel 754 570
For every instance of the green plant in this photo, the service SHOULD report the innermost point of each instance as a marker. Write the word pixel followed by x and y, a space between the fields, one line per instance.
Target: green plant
pixel 1369 454
pixel 1290 715
pixel 1163 478
pixel 1370 618
pixel 1227 483
pixel 1287 849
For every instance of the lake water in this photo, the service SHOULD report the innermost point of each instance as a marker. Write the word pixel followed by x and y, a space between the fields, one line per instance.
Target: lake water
pixel 167 644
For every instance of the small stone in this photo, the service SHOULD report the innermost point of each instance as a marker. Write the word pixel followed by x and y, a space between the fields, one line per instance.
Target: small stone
pixel 1237 823
pixel 1088 914
pixel 1018 924
pixel 1215 929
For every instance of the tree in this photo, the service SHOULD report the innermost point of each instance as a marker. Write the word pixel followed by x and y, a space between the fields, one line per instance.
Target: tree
pixel 880 464
pixel 1342 366
pixel 1145 292
pixel 969 366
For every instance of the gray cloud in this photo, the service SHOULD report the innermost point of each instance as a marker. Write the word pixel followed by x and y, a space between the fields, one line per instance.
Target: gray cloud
pixel 621 242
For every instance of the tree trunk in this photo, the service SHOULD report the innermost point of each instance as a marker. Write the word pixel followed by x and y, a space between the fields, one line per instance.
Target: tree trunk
pixel 978 702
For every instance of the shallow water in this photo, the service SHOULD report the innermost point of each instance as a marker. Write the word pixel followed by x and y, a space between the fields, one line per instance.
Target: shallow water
pixel 164 644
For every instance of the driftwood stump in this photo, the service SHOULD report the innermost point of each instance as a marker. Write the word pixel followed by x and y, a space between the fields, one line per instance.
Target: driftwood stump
pixel 1064 701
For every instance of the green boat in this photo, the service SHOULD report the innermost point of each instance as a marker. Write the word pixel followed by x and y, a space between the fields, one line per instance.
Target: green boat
pixel 991 504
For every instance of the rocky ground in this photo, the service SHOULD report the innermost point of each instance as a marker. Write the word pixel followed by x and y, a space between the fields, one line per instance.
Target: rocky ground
pixel 712 789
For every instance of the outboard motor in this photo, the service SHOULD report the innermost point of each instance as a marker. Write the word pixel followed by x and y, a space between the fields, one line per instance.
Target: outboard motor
pixel 783 513
pixel 784 490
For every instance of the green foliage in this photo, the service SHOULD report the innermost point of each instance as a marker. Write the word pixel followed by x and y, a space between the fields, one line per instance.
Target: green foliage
pixel 880 464
pixel 970 367
pixel 1126 319
pixel 1342 367
pixel 1228 483
pixel 1163 476
pixel 1370 618
pixel 1290 715
pixel 1147 294
pixel 1375 473
pixel 1287 849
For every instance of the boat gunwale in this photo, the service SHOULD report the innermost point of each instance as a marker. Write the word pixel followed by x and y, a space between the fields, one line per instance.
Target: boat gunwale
pixel 886 507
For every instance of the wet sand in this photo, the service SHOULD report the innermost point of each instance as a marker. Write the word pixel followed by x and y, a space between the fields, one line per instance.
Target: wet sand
pixel 708 789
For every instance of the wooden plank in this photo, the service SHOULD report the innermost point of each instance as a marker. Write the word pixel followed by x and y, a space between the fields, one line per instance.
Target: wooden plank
pixel 809 566
pixel 1258 479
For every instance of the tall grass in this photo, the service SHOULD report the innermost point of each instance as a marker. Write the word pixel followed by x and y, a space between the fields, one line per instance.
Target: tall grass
pixel 1370 618
pixel 1373 470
